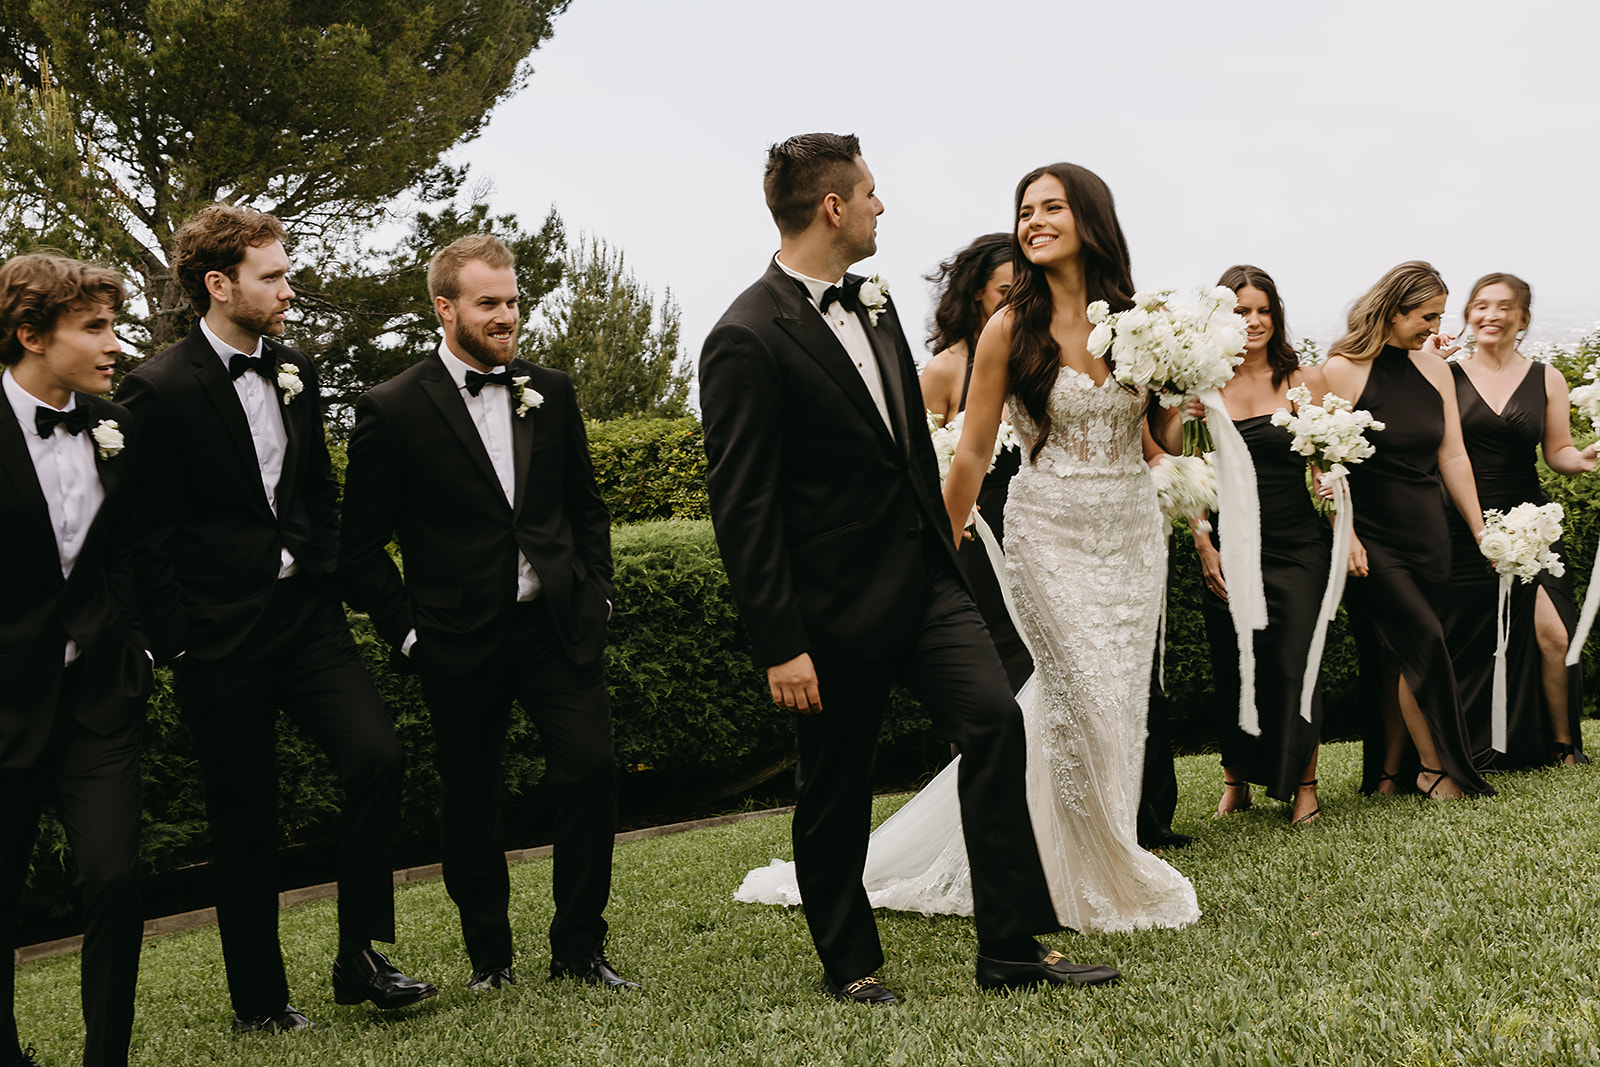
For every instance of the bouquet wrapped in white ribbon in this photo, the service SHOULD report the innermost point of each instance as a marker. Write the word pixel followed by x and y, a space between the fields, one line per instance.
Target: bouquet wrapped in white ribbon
pixel 1187 343
pixel 1178 344
pixel 1186 486
pixel 1517 544
pixel 1330 435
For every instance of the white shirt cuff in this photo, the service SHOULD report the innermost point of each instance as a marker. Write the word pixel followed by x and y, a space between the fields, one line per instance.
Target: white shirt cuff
pixel 405 646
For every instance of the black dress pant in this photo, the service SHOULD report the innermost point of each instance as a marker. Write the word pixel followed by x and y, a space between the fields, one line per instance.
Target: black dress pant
pixel 569 706
pixel 94 782
pixel 301 659
pixel 953 669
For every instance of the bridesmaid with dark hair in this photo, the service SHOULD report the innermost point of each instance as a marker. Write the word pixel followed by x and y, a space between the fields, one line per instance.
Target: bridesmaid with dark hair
pixel 972 285
pixel 1388 362
pixel 1295 552
pixel 1509 406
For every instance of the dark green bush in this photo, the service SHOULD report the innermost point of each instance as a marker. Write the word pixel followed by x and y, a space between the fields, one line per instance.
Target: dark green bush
pixel 650 468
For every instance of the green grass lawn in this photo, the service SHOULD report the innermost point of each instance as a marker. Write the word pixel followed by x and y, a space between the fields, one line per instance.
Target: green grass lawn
pixel 1395 931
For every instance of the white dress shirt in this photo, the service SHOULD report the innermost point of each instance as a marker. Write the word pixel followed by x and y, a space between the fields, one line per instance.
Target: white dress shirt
pixel 852 335
pixel 491 414
pixel 64 465
pixel 267 433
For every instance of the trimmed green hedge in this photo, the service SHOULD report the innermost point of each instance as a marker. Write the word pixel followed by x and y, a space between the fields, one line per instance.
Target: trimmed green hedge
pixel 650 468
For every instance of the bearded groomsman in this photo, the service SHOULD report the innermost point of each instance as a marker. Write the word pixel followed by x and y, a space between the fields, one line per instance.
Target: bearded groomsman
pixel 241 555
pixel 825 496
pixel 477 462
pixel 74 672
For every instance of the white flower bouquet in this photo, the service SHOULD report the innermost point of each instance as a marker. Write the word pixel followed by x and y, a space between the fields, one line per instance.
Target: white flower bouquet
pixel 1186 486
pixel 948 435
pixel 1517 542
pixel 1331 435
pixel 1178 344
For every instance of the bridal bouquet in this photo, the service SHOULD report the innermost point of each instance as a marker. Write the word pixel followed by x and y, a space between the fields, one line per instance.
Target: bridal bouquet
pixel 1186 486
pixel 1332 434
pixel 947 436
pixel 1517 542
pixel 1178 344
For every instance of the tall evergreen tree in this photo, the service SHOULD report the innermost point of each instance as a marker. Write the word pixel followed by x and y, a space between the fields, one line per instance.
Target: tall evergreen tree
pixel 120 118
pixel 602 328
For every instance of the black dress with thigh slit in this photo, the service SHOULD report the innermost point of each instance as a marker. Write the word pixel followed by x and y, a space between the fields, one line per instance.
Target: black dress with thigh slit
pixel 1400 505
pixel 1502 449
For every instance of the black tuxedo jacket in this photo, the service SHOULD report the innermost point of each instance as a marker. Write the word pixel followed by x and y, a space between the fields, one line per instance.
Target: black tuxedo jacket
pixel 419 473
pixel 823 519
pixel 212 546
pixel 40 610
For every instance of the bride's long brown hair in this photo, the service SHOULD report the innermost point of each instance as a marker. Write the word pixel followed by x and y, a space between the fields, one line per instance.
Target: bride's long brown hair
pixel 1035 360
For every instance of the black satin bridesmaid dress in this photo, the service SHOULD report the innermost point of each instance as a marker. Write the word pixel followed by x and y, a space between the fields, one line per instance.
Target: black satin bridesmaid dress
pixel 1395 612
pixel 1503 449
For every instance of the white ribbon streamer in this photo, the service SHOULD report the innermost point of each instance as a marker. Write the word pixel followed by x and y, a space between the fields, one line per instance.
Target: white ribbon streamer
pixel 1591 604
pixel 1502 627
pixel 1239 529
pixel 1343 526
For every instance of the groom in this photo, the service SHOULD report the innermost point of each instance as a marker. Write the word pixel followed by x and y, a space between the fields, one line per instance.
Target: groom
pixel 825 497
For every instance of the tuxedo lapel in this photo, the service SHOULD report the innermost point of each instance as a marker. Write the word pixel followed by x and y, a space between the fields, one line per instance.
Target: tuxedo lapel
pixel 442 390
pixel 213 377
pixel 17 464
pixel 800 320
pixel 894 387
pixel 522 427
pixel 108 468
pixel 292 433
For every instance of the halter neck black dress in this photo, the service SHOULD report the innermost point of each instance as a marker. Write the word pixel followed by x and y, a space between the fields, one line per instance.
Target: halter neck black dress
pixel 1395 611
pixel 974 560
pixel 1296 544
pixel 1503 452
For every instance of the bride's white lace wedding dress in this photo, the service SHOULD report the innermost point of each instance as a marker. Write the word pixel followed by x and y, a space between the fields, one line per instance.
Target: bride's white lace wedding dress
pixel 1086 563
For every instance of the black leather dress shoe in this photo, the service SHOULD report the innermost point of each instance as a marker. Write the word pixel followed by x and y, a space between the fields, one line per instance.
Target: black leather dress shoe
pixel 593 971
pixel 498 978
pixel 866 990
pixel 1165 839
pixel 278 1022
pixel 369 975
pixel 1051 968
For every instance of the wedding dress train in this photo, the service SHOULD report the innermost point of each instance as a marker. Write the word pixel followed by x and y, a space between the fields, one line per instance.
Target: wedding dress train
pixel 1086 565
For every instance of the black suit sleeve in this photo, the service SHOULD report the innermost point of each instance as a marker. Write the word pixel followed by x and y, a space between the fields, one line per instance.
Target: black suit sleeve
pixel 373 497
pixel 740 400
pixel 155 508
pixel 586 509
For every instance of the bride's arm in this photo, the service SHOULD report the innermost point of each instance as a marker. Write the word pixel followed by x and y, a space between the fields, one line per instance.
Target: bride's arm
pixel 986 398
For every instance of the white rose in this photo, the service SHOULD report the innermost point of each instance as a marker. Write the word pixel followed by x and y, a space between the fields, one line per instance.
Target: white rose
pixel 1495 546
pixel 871 292
pixel 107 438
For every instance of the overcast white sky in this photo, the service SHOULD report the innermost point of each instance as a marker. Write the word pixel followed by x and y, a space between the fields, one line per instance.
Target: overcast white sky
pixel 1322 141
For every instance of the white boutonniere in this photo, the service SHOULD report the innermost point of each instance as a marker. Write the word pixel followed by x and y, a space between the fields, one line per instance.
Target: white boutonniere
pixel 873 296
pixel 107 438
pixel 527 399
pixel 289 381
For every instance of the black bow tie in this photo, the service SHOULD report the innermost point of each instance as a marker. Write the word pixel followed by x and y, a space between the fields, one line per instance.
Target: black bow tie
pixel 239 363
pixel 849 295
pixel 476 381
pixel 45 420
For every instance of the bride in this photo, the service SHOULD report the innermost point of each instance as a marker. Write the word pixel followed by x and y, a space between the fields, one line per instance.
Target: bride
pixel 1086 563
